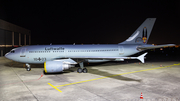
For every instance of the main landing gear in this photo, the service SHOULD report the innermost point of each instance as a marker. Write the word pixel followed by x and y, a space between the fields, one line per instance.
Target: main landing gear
pixel 82 69
pixel 28 68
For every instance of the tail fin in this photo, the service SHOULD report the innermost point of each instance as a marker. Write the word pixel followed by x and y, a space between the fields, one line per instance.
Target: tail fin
pixel 141 35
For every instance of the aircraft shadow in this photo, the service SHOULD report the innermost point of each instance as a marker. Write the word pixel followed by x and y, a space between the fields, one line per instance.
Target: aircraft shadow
pixel 103 73
pixel 74 69
pixel 97 71
pixel 21 65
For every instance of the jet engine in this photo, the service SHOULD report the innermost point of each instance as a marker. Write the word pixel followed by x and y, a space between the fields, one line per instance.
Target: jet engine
pixel 56 66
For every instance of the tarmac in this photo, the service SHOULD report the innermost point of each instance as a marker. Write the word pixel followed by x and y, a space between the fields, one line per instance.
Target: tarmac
pixel 110 81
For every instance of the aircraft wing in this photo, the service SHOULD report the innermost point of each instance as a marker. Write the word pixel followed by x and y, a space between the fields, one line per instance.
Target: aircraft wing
pixel 141 57
pixel 153 47
pixel 67 61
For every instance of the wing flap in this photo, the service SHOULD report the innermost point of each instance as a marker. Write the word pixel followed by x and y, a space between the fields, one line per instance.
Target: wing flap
pixel 141 57
pixel 67 61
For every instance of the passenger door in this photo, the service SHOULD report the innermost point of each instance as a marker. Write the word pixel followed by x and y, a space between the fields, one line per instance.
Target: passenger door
pixel 23 52
pixel 121 50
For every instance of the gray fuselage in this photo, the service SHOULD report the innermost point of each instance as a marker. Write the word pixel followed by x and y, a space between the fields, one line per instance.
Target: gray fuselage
pixel 38 54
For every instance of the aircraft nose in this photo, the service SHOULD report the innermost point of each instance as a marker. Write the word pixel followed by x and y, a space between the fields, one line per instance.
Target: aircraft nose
pixel 7 55
pixel 11 56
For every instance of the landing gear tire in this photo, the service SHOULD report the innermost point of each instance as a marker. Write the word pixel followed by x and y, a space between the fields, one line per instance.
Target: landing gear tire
pixel 28 69
pixel 85 70
pixel 79 70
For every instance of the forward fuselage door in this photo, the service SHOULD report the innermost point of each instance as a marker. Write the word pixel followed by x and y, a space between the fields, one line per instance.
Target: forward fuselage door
pixel 23 52
pixel 121 50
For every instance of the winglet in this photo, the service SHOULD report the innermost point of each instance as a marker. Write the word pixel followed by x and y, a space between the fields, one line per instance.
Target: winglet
pixel 141 57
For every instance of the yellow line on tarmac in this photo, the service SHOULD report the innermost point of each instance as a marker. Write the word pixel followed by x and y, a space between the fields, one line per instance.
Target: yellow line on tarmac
pixel 110 76
pixel 116 75
pixel 54 87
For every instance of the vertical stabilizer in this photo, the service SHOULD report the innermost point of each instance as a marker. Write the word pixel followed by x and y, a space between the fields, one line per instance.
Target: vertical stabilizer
pixel 141 35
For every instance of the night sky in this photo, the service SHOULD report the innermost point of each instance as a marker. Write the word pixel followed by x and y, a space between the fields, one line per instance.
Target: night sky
pixel 89 22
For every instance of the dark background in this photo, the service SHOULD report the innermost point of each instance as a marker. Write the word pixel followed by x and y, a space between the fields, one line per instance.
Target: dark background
pixel 93 22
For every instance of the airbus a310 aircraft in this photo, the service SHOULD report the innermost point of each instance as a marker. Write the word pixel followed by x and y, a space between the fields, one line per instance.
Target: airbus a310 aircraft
pixel 57 58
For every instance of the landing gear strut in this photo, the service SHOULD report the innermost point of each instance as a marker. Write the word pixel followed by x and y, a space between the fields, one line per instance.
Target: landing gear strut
pixel 28 67
pixel 82 69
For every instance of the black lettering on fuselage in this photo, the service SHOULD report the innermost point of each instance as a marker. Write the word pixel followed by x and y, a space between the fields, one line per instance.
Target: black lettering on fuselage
pixel 54 48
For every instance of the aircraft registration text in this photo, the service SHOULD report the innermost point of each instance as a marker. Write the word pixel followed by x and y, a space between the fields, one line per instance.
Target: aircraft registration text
pixel 39 59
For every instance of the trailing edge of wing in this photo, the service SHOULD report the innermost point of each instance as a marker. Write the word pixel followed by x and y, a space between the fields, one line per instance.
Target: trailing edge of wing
pixel 141 57
pixel 94 57
pixel 153 47
pixel 67 61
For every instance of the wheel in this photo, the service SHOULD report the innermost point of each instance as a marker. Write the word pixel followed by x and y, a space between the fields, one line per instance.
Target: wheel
pixel 28 69
pixel 79 70
pixel 85 70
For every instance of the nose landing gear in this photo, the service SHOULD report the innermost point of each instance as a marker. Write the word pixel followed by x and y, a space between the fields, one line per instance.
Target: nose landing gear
pixel 28 67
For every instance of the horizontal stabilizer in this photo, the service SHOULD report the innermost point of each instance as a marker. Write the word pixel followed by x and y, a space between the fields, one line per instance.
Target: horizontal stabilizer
pixel 153 47
pixel 141 57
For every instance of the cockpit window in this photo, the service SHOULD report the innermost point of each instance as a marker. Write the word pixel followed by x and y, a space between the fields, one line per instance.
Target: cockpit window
pixel 12 51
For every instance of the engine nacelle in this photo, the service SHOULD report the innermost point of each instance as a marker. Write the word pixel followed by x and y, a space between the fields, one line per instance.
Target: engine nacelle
pixel 56 66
